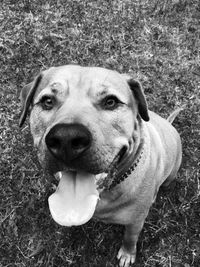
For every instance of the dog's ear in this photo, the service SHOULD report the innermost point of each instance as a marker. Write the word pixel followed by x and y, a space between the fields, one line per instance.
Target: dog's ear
pixel 26 97
pixel 137 91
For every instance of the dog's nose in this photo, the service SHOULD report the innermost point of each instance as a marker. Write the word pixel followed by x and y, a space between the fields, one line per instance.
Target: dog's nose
pixel 68 141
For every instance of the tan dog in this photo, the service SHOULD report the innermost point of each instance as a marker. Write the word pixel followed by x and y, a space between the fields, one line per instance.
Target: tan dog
pixel 93 131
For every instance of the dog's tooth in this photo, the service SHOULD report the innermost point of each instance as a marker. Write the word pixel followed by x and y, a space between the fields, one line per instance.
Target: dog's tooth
pixel 100 176
pixel 58 175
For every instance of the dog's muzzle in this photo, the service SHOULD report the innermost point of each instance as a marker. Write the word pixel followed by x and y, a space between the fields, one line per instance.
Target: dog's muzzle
pixel 77 194
pixel 67 142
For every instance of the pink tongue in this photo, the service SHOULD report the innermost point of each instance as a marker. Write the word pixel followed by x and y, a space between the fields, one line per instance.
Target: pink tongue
pixel 75 199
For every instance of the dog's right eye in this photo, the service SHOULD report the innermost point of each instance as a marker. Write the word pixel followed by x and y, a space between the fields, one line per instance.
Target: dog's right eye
pixel 47 102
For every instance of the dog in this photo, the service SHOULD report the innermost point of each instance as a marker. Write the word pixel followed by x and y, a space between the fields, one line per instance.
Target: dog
pixel 94 132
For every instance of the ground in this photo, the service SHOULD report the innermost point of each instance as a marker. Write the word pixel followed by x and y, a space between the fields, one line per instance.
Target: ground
pixel 155 41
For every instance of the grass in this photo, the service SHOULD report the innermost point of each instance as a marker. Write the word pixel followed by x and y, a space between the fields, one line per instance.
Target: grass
pixel 157 42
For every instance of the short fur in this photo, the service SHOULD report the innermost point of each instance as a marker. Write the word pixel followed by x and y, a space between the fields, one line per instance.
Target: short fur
pixel 79 92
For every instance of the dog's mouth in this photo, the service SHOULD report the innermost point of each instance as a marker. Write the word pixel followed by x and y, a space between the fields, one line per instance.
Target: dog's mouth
pixel 75 199
pixel 77 194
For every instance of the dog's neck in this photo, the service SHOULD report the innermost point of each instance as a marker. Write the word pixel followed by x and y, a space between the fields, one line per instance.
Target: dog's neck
pixel 128 163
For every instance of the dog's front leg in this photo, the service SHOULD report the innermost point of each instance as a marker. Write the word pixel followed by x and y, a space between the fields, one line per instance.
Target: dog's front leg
pixel 127 252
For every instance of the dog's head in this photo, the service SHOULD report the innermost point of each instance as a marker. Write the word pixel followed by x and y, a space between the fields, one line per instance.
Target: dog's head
pixel 82 119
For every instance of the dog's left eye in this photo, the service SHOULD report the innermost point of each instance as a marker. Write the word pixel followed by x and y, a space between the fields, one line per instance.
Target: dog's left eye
pixel 47 102
pixel 111 102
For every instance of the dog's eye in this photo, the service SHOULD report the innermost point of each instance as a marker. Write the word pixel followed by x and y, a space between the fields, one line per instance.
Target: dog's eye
pixel 47 102
pixel 111 102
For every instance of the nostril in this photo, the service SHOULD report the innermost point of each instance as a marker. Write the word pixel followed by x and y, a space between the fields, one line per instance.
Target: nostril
pixel 79 142
pixel 54 143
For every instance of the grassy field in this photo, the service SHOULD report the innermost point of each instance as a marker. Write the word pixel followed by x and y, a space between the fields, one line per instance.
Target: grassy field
pixel 156 41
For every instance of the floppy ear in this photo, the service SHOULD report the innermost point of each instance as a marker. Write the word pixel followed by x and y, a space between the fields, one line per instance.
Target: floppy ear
pixel 137 91
pixel 26 97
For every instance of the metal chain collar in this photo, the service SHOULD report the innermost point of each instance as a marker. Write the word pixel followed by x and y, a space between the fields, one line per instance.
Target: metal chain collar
pixel 112 179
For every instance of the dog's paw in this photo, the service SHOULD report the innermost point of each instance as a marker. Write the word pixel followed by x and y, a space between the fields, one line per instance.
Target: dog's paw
pixel 125 258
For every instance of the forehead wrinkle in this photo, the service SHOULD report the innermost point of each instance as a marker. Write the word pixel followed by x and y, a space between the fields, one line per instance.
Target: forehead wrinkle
pixel 104 91
pixel 98 80
pixel 80 81
pixel 97 90
pixel 54 88
pixel 59 88
pixel 106 76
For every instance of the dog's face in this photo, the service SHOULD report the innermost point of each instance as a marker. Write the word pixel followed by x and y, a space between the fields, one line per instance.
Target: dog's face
pixel 83 118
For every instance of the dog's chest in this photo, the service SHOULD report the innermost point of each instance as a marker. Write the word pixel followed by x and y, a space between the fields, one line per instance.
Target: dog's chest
pixel 114 206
